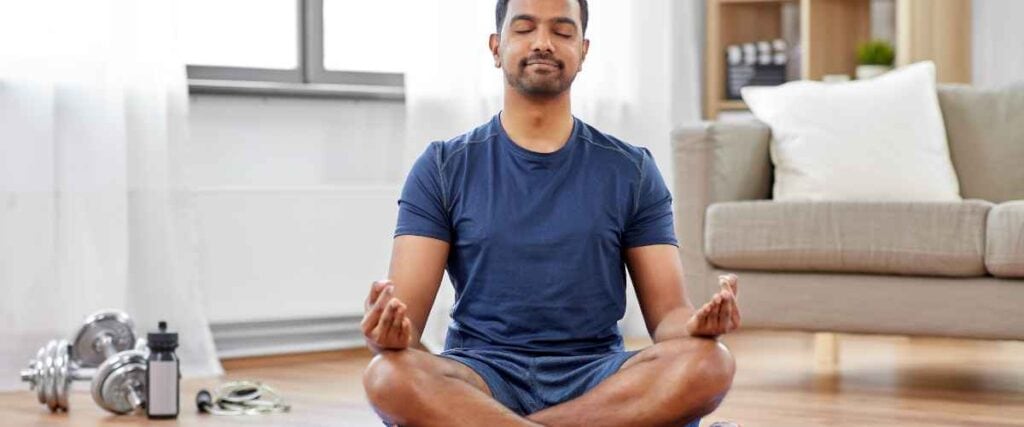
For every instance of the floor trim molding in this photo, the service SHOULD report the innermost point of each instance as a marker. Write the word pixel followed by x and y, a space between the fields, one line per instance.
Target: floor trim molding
pixel 274 337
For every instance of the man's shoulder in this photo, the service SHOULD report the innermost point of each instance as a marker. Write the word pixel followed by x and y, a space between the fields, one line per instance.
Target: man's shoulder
pixel 446 150
pixel 615 147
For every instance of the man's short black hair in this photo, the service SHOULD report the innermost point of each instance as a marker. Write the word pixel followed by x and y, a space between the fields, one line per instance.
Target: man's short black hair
pixel 502 9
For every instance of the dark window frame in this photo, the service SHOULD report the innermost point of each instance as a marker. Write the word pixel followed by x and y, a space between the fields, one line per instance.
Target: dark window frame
pixel 309 79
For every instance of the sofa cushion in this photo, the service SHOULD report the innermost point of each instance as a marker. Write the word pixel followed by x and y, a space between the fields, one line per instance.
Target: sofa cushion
pixel 986 140
pixel 1004 247
pixel 910 238
pixel 868 140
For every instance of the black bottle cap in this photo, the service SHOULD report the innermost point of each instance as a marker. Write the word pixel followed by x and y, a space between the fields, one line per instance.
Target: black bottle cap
pixel 162 340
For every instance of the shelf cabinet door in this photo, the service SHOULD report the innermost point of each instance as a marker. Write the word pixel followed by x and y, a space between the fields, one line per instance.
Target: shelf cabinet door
pixel 830 31
pixel 936 30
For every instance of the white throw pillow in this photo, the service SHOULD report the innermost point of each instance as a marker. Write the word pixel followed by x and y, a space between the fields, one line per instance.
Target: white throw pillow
pixel 878 139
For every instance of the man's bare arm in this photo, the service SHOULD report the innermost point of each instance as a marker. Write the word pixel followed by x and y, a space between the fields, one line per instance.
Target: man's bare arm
pixel 657 275
pixel 417 267
pixel 399 306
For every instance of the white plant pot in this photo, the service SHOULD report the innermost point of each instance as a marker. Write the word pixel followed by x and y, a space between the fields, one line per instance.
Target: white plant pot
pixel 869 71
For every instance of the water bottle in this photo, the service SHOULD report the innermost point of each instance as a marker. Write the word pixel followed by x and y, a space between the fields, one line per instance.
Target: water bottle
pixel 163 374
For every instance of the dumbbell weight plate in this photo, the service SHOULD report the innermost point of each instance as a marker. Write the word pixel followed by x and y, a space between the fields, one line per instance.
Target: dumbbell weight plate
pixel 45 363
pixel 60 378
pixel 52 372
pixel 52 375
pixel 116 380
pixel 115 324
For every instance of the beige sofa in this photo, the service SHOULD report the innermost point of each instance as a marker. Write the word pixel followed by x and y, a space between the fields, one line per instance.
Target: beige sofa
pixel 936 269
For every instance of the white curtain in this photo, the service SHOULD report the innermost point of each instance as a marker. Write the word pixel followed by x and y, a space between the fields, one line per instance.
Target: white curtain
pixel 93 113
pixel 640 78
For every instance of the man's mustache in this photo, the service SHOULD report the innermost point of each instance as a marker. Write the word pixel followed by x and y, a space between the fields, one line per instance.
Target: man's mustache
pixel 543 59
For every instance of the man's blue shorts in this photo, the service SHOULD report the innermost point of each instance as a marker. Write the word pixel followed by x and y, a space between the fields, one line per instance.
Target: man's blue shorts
pixel 529 383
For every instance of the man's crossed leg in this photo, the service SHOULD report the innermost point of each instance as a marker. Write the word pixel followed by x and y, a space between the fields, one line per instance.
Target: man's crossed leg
pixel 670 383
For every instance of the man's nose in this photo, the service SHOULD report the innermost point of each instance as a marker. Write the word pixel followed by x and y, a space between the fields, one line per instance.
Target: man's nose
pixel 542 42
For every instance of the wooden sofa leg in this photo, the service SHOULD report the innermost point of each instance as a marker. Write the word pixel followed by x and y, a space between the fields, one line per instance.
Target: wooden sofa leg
pixel 826 352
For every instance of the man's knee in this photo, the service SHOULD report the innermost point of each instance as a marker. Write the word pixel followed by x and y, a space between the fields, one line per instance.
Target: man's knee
pixel 716 368
pixel 715 364
pixel 389 378
pixel 703 370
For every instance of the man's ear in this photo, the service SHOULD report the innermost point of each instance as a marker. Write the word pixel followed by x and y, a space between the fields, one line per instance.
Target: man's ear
pixel 493 42
pixel 583 57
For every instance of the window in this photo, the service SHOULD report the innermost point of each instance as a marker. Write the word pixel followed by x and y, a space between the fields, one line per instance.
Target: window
pixel 293 47
pixel 376 23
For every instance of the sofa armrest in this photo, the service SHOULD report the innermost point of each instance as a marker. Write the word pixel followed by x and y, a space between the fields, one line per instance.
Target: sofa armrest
pixel 715 162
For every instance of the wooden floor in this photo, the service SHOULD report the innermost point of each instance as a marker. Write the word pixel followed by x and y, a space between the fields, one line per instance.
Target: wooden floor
pixel 880 381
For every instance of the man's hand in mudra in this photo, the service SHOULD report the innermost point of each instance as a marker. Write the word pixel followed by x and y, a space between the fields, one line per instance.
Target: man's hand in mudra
pixel 719 316
pixel 385 325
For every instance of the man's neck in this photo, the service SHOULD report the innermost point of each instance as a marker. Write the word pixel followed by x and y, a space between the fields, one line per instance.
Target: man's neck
pixel 541 125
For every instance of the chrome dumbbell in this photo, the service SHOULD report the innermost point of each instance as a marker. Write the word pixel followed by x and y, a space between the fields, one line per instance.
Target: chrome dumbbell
pixel 51 374
pixel 118 385
pixel 103 336
pixel 120 382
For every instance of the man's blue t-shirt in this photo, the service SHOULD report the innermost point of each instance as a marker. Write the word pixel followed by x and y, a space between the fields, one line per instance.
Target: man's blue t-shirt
pixel 537 240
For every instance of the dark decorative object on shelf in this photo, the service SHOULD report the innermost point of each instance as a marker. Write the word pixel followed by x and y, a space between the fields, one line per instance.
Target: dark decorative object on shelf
pixel 754 64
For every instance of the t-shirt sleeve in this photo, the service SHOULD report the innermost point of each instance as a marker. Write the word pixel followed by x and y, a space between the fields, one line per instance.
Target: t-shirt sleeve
pixel 651 222
pixel 422 207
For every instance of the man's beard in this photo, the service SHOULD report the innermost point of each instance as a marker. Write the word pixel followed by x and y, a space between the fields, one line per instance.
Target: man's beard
pixel 535 84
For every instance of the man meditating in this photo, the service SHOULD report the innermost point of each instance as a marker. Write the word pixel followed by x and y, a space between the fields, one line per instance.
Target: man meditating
pixel 535 214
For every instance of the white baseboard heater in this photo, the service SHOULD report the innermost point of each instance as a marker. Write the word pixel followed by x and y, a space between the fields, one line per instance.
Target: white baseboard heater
pixel 273 337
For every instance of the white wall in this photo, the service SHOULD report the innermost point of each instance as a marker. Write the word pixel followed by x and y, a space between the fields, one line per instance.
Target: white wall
pixel 998 44
pixel 266 141
pixel 295 200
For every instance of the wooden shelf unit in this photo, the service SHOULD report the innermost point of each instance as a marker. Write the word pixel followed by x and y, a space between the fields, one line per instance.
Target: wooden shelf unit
pixel 829 33
pixel 732 104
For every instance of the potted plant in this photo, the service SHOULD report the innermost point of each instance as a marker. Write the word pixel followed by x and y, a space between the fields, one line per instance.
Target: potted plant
pixel 875 58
